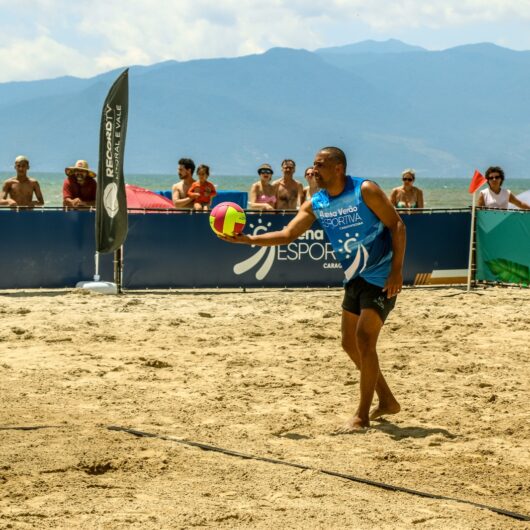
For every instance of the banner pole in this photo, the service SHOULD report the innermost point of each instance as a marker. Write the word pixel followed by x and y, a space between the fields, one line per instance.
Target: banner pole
pixel 96 273
pixel 471 238
pixel 122 254
pixel 117 269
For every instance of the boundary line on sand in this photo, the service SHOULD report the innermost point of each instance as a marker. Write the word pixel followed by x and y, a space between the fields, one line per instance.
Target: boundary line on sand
pixel 29 427
pixel 382 485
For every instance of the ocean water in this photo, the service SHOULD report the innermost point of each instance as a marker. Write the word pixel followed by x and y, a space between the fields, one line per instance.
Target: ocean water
pixel 438 192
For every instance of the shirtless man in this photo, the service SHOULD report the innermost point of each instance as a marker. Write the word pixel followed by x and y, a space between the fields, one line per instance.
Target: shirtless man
pixel 180 189
pixel 290 192
pixel 19 190
pixel 369 242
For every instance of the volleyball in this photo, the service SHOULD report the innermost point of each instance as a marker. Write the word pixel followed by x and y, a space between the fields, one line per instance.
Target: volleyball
pixel 228 219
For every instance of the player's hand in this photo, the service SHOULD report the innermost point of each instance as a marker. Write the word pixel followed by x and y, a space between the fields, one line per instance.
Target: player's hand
pixel 394 284
pixel 242 239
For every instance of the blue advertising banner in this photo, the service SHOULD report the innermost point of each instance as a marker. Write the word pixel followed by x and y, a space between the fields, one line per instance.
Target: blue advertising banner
pixel 50 249
pixel 182 251
pixel 437 247
pixel 56 249
pixel 503 246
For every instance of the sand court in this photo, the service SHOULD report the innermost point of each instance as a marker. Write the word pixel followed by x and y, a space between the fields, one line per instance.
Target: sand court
pixel 260 372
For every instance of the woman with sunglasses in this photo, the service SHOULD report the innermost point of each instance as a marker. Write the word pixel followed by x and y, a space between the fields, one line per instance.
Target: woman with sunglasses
pixel 263 194
pixel 312 186
pixel 494 196
pixel 407 196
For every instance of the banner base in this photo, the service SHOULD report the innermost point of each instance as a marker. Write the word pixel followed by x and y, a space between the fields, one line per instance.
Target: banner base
pixel 98 287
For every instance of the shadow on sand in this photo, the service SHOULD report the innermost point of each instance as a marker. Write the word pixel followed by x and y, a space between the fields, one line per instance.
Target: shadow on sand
pixel 399 433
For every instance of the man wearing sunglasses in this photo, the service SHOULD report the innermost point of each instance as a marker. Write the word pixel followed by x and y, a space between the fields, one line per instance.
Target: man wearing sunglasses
pixel 368 238
pixel 494 196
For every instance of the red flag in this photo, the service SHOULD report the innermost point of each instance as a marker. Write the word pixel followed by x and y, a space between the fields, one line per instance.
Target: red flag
pixel 477 181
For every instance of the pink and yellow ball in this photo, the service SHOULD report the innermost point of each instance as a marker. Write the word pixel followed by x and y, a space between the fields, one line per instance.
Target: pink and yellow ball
pixel 227 218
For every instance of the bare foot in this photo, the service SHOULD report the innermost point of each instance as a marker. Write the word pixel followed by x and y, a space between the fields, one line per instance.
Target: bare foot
pixel 384 409
pixel 353 425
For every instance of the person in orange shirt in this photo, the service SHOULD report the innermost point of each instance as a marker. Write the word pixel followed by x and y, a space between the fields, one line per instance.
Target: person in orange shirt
pixel 202 192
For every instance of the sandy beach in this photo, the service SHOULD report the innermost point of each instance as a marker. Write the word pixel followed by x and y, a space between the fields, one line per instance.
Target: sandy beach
pixel 259 372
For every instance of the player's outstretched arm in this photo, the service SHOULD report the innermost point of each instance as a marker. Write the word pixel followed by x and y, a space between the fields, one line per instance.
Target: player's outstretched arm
pixel 378 202
pixel 303 220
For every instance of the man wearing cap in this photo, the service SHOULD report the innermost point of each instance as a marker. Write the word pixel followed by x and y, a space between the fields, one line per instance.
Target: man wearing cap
pixel 290 191
pixel 79 186
pixel 19 190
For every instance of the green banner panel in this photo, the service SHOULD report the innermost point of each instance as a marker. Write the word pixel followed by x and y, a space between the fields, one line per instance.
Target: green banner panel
pixel 503 246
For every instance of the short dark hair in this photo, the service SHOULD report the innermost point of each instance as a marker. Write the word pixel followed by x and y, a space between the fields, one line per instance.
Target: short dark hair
pixel 289 160
pixel 495 169
pixel 307 169
pixel 205 167
pixel 188 163
pixel 336 154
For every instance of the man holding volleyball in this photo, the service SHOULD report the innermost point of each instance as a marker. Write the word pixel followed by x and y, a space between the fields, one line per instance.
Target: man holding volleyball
pixel 368 238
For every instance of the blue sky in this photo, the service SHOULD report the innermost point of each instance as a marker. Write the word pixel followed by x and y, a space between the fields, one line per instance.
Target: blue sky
pixel 49 38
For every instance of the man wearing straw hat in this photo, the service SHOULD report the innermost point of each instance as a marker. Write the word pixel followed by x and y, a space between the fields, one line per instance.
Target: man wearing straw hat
pixel 19 190
pixel 79 186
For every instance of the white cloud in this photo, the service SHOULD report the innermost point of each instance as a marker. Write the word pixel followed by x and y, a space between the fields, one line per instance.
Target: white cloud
pixel 43 38
pixel 439 13
pixel 40 58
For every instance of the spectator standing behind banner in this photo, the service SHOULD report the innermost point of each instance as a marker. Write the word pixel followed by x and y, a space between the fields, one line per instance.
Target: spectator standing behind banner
pixel 407 195
pixel 290 191
pixel 202 192
pixel 79 186
pixel 263 192
pixel 180 189
pixel 19 190
pixel 312 186
pixel 495 197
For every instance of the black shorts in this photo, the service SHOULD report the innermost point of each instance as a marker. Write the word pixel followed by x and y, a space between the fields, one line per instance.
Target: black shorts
pixel 359 294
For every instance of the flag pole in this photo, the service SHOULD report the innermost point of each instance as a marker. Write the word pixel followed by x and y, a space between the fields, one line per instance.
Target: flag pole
pixel 471 240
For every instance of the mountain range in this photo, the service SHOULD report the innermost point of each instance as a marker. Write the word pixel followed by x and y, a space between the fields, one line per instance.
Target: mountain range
pixel 389 105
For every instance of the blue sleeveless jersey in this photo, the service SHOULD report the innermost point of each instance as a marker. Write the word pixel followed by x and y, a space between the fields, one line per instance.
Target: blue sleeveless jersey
pixel 361 242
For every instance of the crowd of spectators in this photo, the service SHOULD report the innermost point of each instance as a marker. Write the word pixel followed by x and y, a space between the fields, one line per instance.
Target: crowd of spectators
pixel 284 193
